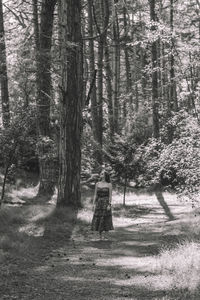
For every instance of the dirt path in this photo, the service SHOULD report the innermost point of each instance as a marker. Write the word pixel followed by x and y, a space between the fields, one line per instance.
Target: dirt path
pixel 82 267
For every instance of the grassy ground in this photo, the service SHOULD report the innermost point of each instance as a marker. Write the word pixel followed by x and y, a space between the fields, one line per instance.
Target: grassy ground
pixel 50 253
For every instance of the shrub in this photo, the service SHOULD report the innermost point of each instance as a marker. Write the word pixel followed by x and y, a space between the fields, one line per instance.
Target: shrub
pixel 176 164
pixel 17 142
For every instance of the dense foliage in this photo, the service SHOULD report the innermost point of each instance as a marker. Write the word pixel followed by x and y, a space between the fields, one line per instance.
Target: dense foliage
pixel 18 142
pixel 140 89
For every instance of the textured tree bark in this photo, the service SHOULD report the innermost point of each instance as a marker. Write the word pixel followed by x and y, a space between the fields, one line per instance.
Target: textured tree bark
pixel 128 74
pixel 36 27
pixel 43 39
pixel 3 73
pixel 159 71
pixel 155 103
pixel 163 77
pixel 116 68
pixel 173 94
pixel 94 111
pixel 145 94
pixel 163 69
pixel 101 19
pixel 100 89
pixel 86 75
pixel 71 62
pixel 44 67
pixel 96 126
pixel 108 72
pixel 7 167
pixel 194 84
pixel 135 75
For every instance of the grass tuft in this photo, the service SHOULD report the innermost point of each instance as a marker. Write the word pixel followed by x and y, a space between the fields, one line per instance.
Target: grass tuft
pixel 182 265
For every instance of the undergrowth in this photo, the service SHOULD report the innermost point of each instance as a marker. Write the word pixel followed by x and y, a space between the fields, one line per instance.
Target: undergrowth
pixel 182 264
pixel 179 265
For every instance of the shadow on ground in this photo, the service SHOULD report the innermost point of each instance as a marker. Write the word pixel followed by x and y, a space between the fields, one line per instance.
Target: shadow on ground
pixel 64 260
pixel 123 267
pixel 164 205
pixel 29 234
pixel 130 211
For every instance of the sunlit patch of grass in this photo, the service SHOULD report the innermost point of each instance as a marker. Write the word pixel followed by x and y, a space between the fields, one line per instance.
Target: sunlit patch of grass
pixel 24 193
pixel 182 264
pixel 187 226
pixel 177 267
pixel 177 270
pixel 129 211
pixel 85 216
pixel 23 189
pixel 19 196
pixel 133 196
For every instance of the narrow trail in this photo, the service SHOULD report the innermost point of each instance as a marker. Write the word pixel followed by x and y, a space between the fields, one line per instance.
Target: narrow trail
pixel 122 267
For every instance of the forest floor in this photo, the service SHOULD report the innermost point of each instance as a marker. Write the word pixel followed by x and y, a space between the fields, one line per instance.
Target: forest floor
pixel 49 253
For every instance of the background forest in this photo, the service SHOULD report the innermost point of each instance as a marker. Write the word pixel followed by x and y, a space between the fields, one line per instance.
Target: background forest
pixel 116 80
pixel 87 85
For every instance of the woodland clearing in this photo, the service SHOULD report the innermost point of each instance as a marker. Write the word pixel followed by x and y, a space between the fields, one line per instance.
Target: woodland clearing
pixel 50 253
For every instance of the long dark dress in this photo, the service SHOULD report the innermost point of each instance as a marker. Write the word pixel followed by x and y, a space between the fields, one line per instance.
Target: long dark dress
pixel 102 219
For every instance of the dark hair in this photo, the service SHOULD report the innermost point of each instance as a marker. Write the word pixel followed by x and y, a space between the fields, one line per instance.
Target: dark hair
pixel 107 177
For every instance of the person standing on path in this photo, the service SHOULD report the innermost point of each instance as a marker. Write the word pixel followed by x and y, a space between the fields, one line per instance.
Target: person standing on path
pixel 102 218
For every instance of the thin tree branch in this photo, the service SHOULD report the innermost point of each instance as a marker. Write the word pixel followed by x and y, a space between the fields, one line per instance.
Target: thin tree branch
pixel 20 20
pixel 91 88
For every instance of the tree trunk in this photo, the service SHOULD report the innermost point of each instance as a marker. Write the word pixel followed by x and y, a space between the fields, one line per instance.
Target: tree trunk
pixel 135 75
pixel 145 94
pixel 101 19
pixel 128 74
pixel 116 68
pixel 108 72
pixel 71 62
pixel 155 103
pixel 85 65
pixel 173 95
pixel 94 111
pixel 7 167
pixel 3 73
pixel 43 40
pixel 44 67
pixel 126 108
pixel 92 71
pixel 100 89
pixel 163 78
pixel 101 27
pixel 125 188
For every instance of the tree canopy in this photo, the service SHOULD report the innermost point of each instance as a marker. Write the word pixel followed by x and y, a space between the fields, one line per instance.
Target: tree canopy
pixel 114 81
